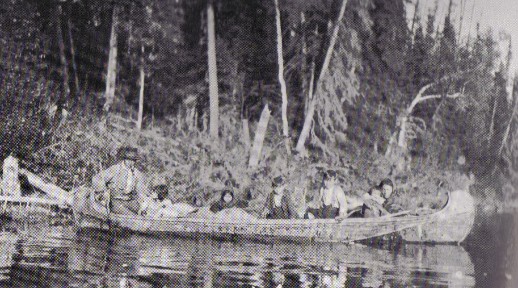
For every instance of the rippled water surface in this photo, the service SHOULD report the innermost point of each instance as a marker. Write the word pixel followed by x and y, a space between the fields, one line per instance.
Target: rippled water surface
pixel 58 256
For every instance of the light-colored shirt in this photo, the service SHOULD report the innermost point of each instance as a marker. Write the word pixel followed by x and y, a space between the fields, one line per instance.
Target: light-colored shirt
pixel 334 196
pixel 122 182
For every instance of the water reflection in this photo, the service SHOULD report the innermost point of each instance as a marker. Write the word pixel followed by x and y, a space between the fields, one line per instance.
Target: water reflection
pixel 58 255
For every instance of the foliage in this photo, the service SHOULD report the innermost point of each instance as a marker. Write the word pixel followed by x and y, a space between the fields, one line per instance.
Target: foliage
pixel 378 67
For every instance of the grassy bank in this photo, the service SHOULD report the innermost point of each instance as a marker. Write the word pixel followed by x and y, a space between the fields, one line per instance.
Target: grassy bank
pixel 194 167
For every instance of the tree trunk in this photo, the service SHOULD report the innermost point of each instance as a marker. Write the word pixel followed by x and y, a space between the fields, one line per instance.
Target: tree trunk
pixel 469 23
pixel 461 20
pixel 213 73
pixel 260 133
pixel 303 61
pixel 492 124
pixel 141 98
pixel 311 85
pixel 284 92
pixel 10 178
pixel 311 80
pixel 508 129
pixel 401 142
pixel 111 74
pixel 311 111
pixel 73 58
pixel 402 127
pixel 62 57
pixel 246 133
pixel 414 18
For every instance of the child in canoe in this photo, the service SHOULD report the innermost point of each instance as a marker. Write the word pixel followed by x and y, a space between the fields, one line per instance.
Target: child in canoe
pixel 373 202
pixel 376 201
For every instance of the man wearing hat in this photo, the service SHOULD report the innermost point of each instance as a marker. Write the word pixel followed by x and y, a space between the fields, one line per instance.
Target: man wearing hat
pixel 279 205
pixel 125 185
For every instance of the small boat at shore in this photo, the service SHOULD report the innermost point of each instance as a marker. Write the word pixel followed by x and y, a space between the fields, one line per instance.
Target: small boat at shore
pixel 451 224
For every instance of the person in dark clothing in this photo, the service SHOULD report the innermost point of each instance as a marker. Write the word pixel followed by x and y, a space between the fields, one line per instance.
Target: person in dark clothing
pixel 227 201
pixel 387 189
pixel 279 205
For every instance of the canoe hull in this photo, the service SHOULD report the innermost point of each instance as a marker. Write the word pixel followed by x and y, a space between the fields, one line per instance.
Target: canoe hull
pixel 318 230
pixel 445 228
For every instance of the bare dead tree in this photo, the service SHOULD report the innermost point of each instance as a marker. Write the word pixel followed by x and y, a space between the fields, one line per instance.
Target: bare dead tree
pixel 284 92
pixel 213 73
pixel 311 111
pixel 62 56
pixel 402 127
pixel 260 133
pixel 141 91
pixel 111 74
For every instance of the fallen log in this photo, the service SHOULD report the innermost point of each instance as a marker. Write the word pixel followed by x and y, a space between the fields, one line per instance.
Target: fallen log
pixel 50 189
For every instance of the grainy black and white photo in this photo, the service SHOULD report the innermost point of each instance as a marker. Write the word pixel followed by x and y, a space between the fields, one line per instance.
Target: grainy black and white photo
pixel 259 143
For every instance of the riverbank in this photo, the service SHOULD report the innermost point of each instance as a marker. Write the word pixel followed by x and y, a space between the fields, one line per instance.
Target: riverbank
pixel 195 168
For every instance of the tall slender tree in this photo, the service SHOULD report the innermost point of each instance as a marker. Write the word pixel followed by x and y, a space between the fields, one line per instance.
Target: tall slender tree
pixel 62 58
pixel 111 75
pixel 282 82
pixel 213 72
pixel 327 59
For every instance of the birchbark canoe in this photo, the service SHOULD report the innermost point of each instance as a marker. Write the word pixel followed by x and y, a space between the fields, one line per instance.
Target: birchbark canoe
pixel 455 212
pixel 317 230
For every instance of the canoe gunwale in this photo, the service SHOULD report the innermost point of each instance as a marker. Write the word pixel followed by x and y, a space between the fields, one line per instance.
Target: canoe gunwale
pixel 281 222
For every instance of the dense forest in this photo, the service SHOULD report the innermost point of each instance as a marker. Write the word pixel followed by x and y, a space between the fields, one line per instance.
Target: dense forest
pixel 219 90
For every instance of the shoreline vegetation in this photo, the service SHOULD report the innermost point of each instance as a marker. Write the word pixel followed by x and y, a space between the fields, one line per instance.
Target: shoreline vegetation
pixel 193 166
pixel 213 91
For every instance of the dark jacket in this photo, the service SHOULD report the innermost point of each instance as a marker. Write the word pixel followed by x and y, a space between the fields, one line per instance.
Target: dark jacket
pixel 285 211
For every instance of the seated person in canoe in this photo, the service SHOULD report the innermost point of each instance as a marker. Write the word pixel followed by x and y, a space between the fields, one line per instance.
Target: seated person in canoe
pixel 278 204
pixel 387 191
pixel 227 201
pixel 122 185
pixel 377 202
pixel 373 203
pixel 331 201
pixel 159 205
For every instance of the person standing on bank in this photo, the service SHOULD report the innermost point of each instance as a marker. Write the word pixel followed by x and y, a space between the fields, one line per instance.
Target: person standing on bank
pixel 123 184
pixel 332 198
pixel 278 204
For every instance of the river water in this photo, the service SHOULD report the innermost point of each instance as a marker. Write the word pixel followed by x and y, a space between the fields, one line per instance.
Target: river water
pixel 59 256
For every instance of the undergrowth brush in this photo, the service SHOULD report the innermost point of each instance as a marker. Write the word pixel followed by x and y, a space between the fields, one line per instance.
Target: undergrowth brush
pixel 196 168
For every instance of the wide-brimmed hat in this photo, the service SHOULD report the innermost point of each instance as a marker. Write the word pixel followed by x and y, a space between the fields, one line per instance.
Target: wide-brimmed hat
pixel 128 153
